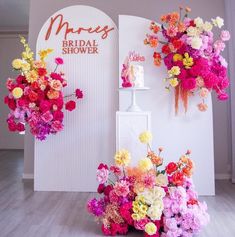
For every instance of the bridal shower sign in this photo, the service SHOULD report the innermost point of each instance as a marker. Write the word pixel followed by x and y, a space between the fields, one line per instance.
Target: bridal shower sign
pixel 87 39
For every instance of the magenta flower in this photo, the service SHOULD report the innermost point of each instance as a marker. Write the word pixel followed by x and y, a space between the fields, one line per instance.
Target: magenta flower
pixel 59 61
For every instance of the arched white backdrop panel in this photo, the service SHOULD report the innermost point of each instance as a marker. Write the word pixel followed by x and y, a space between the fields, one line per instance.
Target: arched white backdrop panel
pixel 176 134
pixel 68 161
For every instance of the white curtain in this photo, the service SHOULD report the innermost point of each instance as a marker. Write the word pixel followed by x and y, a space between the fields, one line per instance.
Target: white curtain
pixel 230 21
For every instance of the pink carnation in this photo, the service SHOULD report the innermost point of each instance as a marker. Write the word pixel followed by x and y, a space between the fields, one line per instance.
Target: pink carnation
pixel 47 117
pixel 102 175
pixel 219 46
pixel 122 188
pixel 57 126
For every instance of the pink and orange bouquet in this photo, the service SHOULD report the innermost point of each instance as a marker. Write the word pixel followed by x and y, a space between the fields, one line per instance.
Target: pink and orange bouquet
pixel 192 56
pixel 35 95
pixel 158 201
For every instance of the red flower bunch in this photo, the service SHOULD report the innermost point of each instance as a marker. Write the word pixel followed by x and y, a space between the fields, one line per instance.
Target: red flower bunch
pixel 35 97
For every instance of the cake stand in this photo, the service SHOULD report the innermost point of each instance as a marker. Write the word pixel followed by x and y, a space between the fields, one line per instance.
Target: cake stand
pixel 133 107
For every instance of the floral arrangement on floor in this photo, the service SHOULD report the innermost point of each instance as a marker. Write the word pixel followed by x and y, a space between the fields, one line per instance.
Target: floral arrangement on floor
pixel 160 201
pixel 35 96
pixel 192 56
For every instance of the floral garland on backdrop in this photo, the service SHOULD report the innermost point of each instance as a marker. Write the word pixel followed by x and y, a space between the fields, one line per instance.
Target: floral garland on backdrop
pixel 35 96
pixel 192 56
pixel 159 202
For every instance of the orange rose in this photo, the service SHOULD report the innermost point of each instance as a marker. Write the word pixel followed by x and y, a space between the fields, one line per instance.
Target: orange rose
pixel 56 85
pixel 52 94
pixel 187 171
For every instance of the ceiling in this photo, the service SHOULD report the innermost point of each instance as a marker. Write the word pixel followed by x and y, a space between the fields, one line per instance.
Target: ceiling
pixel 14 15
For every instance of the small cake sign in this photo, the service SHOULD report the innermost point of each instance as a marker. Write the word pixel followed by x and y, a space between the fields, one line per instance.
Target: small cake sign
pixel 132 74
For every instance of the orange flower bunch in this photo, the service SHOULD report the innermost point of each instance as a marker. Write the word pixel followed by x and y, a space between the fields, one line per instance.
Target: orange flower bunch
pixel 186 165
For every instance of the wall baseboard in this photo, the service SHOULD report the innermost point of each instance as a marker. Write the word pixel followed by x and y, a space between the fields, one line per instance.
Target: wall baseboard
pixel 28 176
pixel 224 176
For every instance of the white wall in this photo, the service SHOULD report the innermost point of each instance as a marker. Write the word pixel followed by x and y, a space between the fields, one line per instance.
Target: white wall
pixel 150 9
pixel 10 47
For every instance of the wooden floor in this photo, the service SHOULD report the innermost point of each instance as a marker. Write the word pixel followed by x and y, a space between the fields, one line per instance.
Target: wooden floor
pixel 26 213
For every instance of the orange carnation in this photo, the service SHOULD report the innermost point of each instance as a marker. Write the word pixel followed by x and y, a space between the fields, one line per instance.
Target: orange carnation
pixel 153 43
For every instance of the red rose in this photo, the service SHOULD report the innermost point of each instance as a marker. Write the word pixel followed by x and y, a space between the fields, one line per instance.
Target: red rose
pixel 171 167
pixel 20 127
pixel 101 188
pixel 70 105
pixel 166 49
pixel 33 96
pixel 79 94
pixel 178 178
pixel 42 72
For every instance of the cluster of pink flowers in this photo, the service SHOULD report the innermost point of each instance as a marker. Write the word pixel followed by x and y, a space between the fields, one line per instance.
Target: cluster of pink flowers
pixel 192 56
pixel 35 97
pixel 159 202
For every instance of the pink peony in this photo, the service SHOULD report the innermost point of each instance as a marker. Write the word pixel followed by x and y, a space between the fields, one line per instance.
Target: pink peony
pixel 59 61
pixel 102 175
pixel 224 35
pixel 47 117
pixel 188 84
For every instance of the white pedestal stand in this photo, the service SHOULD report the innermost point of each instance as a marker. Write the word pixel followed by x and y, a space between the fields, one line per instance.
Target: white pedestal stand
pixel 129 125
pixel 133 107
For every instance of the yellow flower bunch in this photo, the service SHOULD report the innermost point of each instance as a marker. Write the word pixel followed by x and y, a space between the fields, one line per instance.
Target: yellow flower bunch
pixel 122 158
pixel 139 208
pixel 145 164
pixel 174 71
pixel 187 61
pixel 28 54
pixel 174 82
pixel 177 57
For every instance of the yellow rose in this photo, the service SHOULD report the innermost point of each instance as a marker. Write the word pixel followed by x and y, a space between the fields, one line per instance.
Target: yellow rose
pixel 145 137
pixel 17 63
pixel 122 158
pixel 174 82
pixel 17 92
pixel 177 57
pixel 145 164
pixel 150 228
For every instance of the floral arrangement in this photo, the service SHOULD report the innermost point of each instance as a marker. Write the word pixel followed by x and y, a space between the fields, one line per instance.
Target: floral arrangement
pixel 35 96
pixel 158 201
pixel 192 56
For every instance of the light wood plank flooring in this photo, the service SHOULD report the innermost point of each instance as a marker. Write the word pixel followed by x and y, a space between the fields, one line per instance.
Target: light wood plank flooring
pixel 25 213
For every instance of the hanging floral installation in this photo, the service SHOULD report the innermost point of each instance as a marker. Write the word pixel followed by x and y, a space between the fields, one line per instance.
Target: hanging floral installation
pixel 160 201
pixel 192 56
pixel 35 96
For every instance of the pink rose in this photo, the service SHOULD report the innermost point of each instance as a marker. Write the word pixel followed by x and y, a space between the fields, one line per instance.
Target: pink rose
pixel 222 96
pixel 224 35
pixel 188 84
pixel 59 61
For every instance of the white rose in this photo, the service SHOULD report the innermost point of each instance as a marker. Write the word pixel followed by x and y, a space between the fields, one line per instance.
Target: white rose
pixel 161 180
pixel 207 26
pixel 192 31
pixel 218 21
pixel 196 43
pixel 154 213
pixel 199 22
